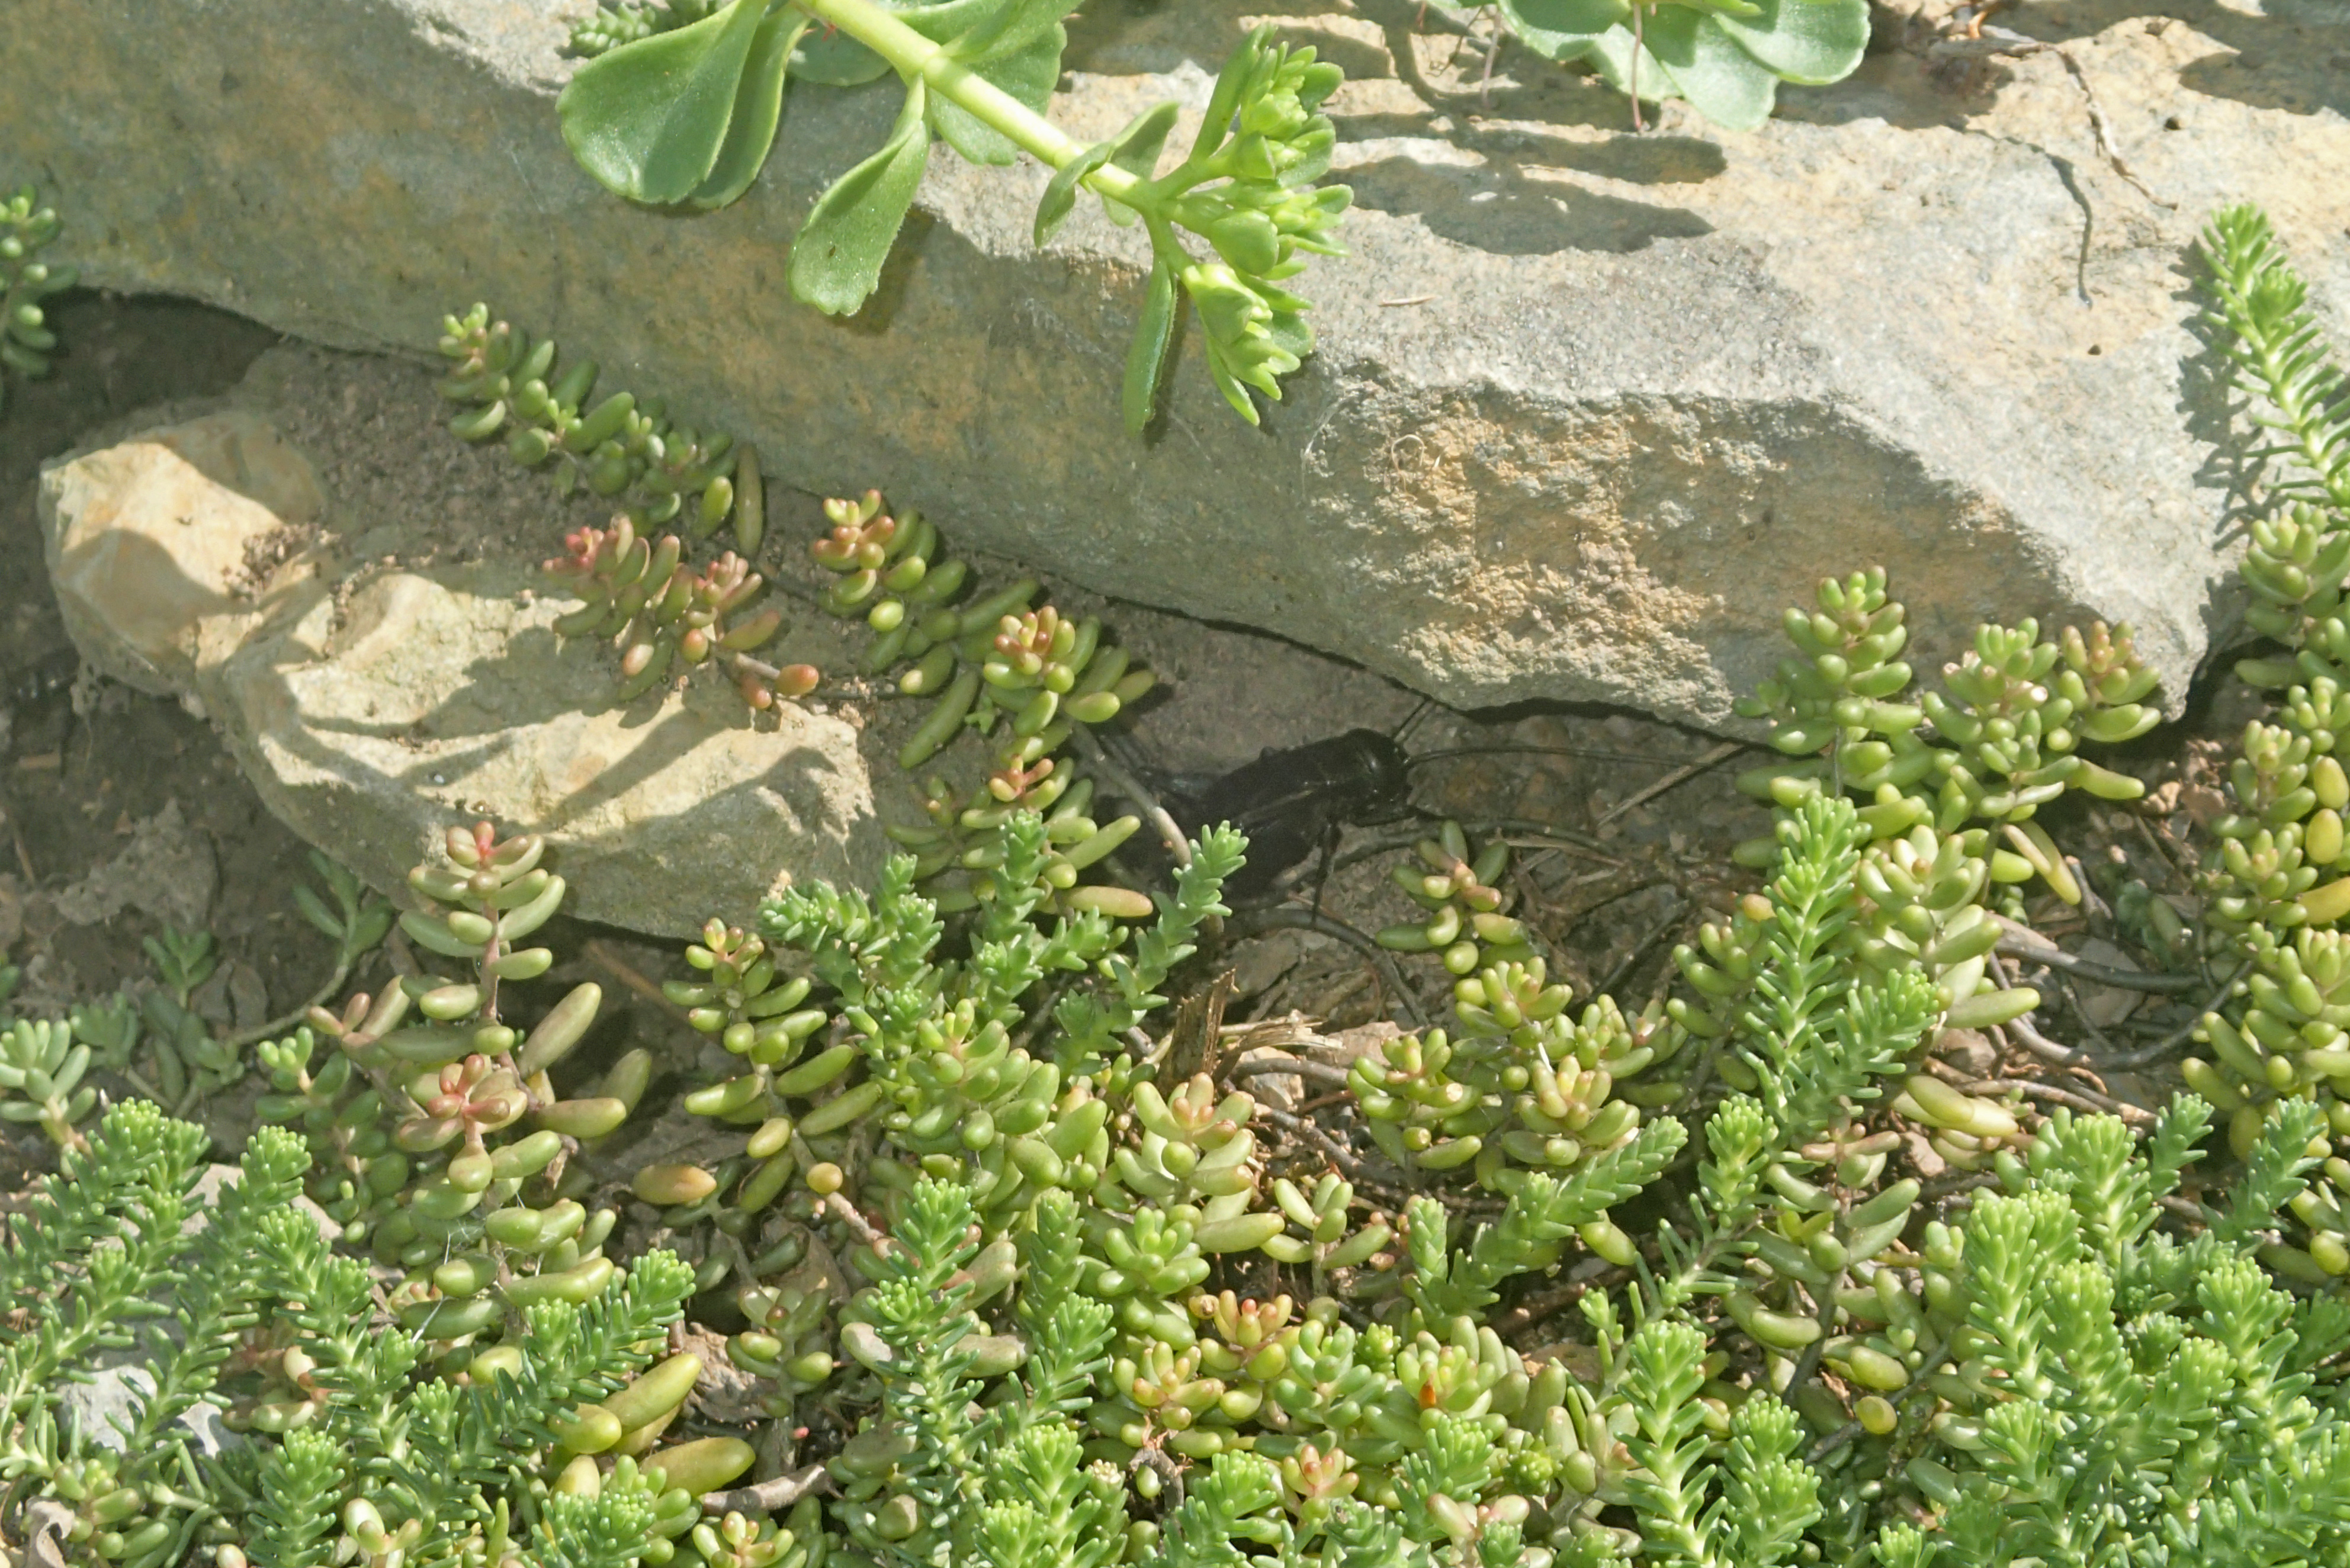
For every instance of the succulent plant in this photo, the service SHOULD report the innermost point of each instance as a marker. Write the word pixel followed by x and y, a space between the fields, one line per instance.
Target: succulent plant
pixel 26 338
pixel 2001 744
pixel 669 474
pixel 979 79
pixel 667 617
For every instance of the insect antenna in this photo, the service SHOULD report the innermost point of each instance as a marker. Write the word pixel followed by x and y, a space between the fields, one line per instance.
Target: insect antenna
pixel 1592 753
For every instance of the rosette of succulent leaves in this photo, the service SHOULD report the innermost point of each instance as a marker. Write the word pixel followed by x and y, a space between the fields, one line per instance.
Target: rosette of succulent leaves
pixel 679 106
pixel 1725 57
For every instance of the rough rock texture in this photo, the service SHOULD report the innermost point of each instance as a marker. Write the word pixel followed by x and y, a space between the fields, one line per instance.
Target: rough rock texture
pixel 1590 408
pixel 375 699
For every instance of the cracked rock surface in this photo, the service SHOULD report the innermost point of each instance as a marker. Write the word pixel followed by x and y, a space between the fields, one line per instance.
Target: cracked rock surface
pixel 1590 407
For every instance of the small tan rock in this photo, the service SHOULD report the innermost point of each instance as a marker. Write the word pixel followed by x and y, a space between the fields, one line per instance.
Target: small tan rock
pixel 148 538
pixel 373 706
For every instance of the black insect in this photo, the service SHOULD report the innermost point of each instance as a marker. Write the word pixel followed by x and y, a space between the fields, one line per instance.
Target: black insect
pixel 1292 802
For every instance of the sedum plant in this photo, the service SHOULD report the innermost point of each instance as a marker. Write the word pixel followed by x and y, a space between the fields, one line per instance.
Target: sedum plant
pixel 667 613
pixel 614 447
pixel 686 114
pixel 1725 57
pixel 1025 677
pixel 27 340
pixel 376 1459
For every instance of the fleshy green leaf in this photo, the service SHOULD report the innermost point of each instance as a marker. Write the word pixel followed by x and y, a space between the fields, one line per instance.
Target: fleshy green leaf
pixel 1612 56
pixel 837 259
pixel 1009 29
pixel 1811 42
pixel 758 109
pixel 1060 198
pixel 1146 360
pixel 835 59
pixel 1559 48
pixel 1588 18
pixel 648 119
pixel 1720 80
pixel 1135 149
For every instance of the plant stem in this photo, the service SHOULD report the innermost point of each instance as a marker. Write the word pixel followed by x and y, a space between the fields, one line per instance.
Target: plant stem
pixel 912 55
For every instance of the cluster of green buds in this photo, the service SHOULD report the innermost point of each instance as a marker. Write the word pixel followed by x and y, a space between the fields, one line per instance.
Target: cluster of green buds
pixel 2017 718
pixel 959 849
pixel 995 665
pixel 2296 563
pixel 2001 743
pixel 27 339
pixel 793 1318
pixel 1323 1216
pixel 962 1099
pixel 1835 708
pixel 1191 1153
pixel 1364 1413
pixel 755 1012
pixel 41 1068
pixel 444 1143
pixel 676 474
pixel 738 1541
pixel 890 571
pixel 666 616
pixel 1467 920
pixel 1247 186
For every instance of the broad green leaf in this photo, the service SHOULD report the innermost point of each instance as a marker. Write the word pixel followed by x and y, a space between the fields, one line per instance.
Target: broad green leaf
pixel 1029 77
pixel 1812 42
pixel 1559 48
pixel 1720 80
pixel 948 20
pixel 648 119
pixel 837 259
pixel 1145 358
pixel 1011 29
pixel 1613 58
pixel 832 58
pixel 1588 18
pixel 758 110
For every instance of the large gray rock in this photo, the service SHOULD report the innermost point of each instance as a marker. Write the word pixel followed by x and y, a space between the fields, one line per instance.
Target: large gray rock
pixel 1590 406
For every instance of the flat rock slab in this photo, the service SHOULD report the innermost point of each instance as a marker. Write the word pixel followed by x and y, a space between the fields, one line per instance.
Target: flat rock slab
pixel 379 681
pixel 1590 407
